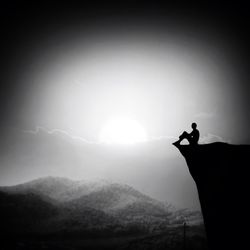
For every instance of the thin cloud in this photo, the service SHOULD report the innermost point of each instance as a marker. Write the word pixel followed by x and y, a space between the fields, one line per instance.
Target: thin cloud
pixel 61 132
pixel 40 129
pixel 210 138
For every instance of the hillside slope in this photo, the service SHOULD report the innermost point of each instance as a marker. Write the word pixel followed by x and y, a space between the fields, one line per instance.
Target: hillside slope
pixel 58 188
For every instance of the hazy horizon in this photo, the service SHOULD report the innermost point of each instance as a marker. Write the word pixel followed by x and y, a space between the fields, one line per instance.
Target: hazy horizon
pixel 155 167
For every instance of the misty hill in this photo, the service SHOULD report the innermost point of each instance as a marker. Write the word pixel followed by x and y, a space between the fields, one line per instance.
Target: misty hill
pixel 58 188
pixel 80 206
pixel 113 197
pixel 220 173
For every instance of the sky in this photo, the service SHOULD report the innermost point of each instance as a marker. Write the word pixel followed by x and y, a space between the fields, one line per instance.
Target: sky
pixel 68 68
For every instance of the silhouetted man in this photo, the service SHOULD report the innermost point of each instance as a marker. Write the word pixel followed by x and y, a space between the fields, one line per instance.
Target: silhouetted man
pixel 192 138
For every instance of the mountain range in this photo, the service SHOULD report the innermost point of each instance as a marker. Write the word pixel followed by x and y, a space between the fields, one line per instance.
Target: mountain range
pixel 56 205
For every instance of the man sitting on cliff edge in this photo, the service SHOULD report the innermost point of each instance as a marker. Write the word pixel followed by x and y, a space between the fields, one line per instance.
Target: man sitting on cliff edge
pixel 192 137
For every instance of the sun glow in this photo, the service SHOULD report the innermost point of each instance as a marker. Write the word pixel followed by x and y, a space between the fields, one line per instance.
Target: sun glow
pixel 122 130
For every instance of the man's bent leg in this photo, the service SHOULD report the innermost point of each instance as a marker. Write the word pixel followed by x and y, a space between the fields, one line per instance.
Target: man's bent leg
pixel 183 136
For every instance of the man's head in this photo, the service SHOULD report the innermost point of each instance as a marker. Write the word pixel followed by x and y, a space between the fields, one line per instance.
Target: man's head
pixel 194 125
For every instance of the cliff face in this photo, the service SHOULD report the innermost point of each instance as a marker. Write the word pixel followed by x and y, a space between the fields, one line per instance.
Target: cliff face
pixel 220 172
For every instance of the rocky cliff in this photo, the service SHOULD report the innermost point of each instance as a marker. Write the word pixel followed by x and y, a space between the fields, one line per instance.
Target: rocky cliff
pixel 220 173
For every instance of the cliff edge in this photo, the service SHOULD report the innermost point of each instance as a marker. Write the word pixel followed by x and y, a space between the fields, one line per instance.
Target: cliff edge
pixel 220 171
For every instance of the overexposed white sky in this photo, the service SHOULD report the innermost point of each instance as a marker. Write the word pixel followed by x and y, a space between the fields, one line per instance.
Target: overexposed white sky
pixel 164 83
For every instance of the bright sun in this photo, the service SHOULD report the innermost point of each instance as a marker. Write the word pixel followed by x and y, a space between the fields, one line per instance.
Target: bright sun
pixel 122 130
